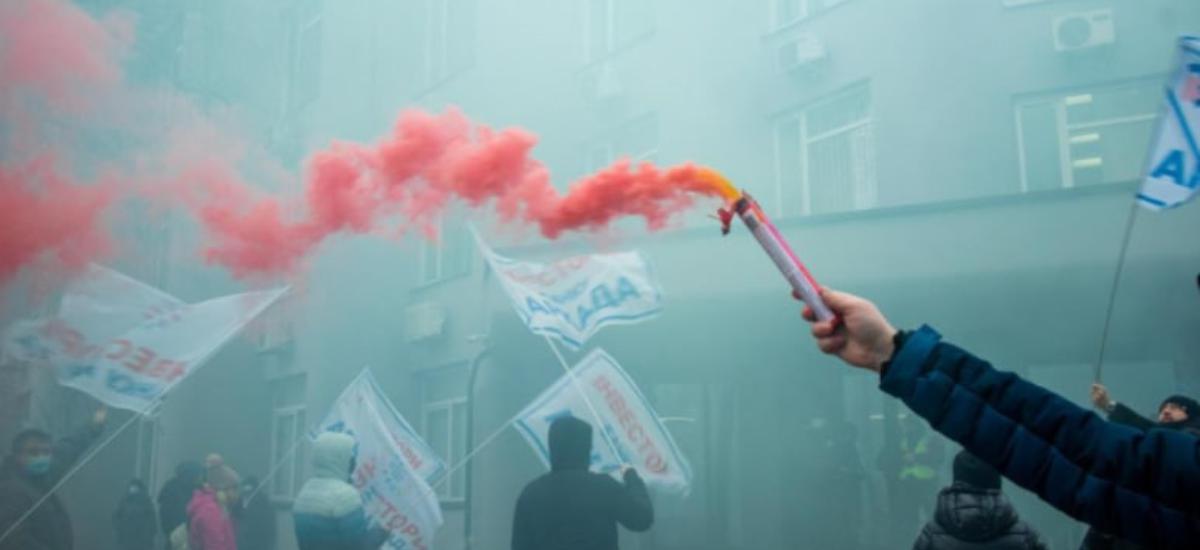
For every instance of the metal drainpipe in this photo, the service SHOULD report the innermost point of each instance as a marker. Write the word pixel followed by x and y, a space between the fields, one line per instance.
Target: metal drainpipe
pixel 469 467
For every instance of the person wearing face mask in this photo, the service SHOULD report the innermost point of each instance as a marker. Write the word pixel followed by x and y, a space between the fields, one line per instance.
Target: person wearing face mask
pixel 134 520
pixel 1176 412
pixel 210 516
pixel 34 465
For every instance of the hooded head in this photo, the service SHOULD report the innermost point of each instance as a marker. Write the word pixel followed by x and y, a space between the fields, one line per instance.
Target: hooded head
pixel 969 470
pixel 333 456
pixel 32 452
pixel 570 444
pixel 1178 410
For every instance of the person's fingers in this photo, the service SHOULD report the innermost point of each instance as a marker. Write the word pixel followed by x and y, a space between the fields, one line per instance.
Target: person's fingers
pixel 823 329
pixel 838 301
pixel 832 344
pixel 808 314
pixel 796 296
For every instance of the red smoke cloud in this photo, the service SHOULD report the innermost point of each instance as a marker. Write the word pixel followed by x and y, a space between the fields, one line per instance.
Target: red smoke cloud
pixel 49 220
pixel 414 173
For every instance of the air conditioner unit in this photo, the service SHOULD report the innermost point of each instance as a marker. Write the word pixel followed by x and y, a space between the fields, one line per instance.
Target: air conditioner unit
pixel 1084 30
pixel 800 52
pixel 424 321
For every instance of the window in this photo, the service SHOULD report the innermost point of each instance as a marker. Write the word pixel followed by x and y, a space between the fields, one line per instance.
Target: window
pixel 306 53
pixel 610 25
pixel 289 426
pixel 787 12
pixel 449 39
pixel 1087 136
pixel 450 255
pixel 825 155
pixel 444 422
pixel 636 140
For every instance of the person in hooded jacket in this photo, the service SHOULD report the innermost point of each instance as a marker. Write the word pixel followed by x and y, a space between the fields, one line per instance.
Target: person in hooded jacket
pixel 328 512
pixel 35 465
pixel 175 495
pixel 572 508
pixel 134 520
pixel 972 514
pixel 210 513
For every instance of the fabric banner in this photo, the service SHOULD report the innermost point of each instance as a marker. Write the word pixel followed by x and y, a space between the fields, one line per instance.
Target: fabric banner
pixel 573 298
pixel 126 343
pixel 624 414
pixel 394 465
pixel 1175 158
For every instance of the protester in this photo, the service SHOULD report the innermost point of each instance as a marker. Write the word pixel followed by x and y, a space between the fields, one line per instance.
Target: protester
pixel 571 507
pixel 1176 411
pixel 1142 487
pixel 973 514
pixel 255 520
pixel 174 497
pixel 134 521
pixel 35 464
pixel 209 514
pixel 328 512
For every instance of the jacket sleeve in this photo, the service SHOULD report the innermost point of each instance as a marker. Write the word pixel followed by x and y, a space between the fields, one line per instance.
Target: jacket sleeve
pixel 1128 417
pixel 1144 487
pixel 924 540
pixel 632 507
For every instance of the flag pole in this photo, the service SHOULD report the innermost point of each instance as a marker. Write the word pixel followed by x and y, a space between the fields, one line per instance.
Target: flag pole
pixel 1112 292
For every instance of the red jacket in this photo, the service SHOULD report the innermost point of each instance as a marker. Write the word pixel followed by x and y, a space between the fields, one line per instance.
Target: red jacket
pixel 209 524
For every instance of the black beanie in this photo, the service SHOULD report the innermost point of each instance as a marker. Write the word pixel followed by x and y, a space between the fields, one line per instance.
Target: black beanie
pixel 974 472
pixel 1184 402
pixel 570 444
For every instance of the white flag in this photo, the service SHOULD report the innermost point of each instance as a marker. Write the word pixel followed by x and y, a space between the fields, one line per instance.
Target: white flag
pixel 394 465
pixel 126 343
pixel 572 299
pixel 1175 159
pixel 625 417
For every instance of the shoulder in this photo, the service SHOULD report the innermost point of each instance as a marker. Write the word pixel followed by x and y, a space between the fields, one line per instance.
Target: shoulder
pixel 327 498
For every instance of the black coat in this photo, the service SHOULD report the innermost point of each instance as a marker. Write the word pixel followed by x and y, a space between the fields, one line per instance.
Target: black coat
pixel 49 527
pixel 575 509
pixel 255 524
pixel 969 518
pixel 135 523
pixel 173 499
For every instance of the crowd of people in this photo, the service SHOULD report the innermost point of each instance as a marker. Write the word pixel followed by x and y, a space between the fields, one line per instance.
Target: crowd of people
pixel 1132 479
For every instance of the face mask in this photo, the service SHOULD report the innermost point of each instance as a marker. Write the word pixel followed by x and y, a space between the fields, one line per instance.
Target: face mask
pixel 38 465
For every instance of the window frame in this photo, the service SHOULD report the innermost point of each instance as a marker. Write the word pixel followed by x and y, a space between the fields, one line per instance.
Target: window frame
pixel 453 405
pixel 1060 100
pixel 800 118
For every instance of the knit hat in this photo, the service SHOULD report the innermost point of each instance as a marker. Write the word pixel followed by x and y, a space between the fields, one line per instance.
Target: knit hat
pixel 1189 405
pixel 218 474
pixel 970 470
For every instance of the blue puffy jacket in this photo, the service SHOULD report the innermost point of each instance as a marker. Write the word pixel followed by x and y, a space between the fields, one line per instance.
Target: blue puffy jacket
pixel 328 511
pixel 1142 487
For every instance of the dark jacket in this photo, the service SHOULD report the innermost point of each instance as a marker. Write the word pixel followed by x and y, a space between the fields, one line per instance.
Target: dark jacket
pixel 134 521
pixel 1143 487
pixel 970 518
pixel 1121 414
pixel 49 527
pixel 255 524
pixel 571 508
pixel 173 500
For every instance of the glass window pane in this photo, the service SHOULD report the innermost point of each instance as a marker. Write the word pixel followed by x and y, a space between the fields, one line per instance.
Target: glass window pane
pixel 1039 139
pixel 849 107
pixel 831 173
pixel 1118 102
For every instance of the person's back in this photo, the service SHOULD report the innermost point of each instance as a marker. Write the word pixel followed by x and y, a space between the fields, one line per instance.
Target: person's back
pixel 209 521
pixel 133 521
pixel 255 523
pixel 175 495
pixel 571 508
pixel 972 513
pixel 328 511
